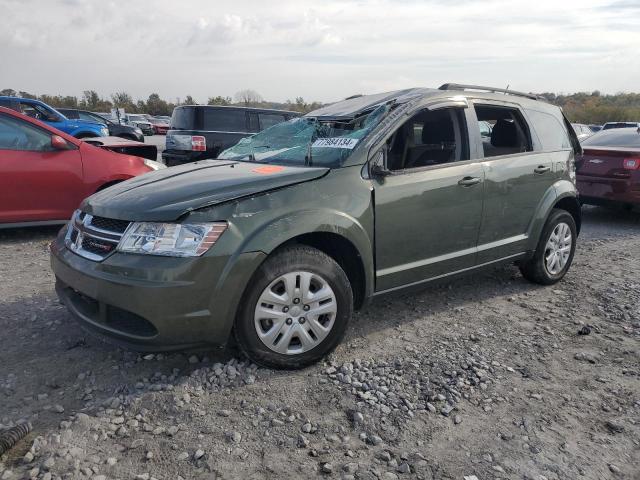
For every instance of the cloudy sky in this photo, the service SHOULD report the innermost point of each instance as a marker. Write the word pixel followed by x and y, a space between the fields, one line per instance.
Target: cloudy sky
pixel 321 50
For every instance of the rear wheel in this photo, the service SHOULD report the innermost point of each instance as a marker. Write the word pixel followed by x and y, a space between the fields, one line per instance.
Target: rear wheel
pixel 555 250
pixel 295 310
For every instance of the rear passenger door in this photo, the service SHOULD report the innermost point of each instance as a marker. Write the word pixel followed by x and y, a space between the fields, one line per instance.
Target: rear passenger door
pixel 517 176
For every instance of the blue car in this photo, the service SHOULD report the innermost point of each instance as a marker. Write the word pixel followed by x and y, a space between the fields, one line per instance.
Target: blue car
pixel 43 112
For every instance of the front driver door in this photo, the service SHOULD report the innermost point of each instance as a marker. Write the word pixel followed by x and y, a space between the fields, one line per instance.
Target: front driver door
pixel 37 183
pixel 428 210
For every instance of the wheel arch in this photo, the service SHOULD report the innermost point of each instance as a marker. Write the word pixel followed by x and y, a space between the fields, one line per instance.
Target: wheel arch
pixel 563 194
pixel 340 236
pixel 344 252
pixel 571 204
pixel 109 184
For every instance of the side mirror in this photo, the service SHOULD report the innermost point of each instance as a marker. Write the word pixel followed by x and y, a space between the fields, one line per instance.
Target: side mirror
pixel 377 164
pixel 59 143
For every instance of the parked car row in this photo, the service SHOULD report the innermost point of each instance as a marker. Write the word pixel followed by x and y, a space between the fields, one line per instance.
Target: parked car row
pixel 199 132
pixel 148 124
pixel 115 129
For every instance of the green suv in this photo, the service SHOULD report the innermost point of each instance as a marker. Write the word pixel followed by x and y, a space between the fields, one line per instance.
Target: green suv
pixel 287 232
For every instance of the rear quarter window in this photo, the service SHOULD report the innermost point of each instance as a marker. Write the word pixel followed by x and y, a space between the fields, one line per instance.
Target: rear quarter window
pixel 551 133
pixel 270 119
pixel 183 119
pixel 223 120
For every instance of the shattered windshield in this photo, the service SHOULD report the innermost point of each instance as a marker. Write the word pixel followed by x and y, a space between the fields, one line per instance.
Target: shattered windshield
pixel 307 141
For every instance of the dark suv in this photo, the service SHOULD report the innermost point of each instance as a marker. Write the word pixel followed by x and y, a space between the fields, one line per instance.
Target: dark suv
pixel 290 230
pixel 198 132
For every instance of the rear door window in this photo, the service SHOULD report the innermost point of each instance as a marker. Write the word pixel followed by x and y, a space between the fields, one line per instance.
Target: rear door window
pixel 224 120
pixel 270 119
pixel 183 118
pixel 508 132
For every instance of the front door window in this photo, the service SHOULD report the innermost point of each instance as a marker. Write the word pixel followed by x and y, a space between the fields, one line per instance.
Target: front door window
pixel 19 135
pixel 429 138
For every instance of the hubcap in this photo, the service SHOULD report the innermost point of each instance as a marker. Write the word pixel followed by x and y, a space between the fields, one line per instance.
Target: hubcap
pixel 558 249
pixel 295 313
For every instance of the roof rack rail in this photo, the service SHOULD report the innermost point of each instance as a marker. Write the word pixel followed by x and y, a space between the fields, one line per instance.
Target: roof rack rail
pixel 457 86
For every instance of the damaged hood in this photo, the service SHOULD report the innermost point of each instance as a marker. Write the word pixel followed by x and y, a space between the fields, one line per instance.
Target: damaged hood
pixel 167 194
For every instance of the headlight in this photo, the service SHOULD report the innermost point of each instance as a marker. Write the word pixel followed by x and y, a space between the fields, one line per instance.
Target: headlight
pixel 171 239
pixel 104 132
pixel 153 164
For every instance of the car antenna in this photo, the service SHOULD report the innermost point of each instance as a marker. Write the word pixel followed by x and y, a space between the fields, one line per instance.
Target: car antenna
pixel 506 90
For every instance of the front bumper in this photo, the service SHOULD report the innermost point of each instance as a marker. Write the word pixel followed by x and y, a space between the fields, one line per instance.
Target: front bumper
pixel 605 190
pixel 152 303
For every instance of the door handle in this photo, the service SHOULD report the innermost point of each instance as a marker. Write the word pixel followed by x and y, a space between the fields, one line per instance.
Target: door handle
pixel 468 181
pixel 541 169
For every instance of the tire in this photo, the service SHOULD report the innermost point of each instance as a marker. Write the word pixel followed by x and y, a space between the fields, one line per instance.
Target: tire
pixel 537 269
pixel 291 347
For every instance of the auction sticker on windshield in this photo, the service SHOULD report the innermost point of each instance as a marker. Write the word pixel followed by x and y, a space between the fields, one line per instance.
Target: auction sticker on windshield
pixel 336 142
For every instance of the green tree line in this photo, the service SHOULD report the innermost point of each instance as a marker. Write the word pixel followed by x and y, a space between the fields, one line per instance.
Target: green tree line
pixel 582 107
pixel 154 105
pixel 595 108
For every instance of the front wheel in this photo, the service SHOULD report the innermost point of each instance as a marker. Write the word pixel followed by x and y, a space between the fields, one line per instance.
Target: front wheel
pixel 555 250
pixel 295 310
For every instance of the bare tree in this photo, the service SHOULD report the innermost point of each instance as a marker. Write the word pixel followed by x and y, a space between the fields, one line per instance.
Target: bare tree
pixel 248 97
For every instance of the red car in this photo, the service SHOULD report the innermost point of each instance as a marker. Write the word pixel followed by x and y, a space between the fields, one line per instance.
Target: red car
pixel 160 127
pixel 608 172
pixel 45 173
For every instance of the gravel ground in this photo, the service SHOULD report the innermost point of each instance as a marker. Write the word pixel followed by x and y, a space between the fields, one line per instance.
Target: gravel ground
pixel 486 377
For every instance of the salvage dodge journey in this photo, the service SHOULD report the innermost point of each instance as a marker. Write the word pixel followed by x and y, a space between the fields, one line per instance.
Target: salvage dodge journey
pixel 282 236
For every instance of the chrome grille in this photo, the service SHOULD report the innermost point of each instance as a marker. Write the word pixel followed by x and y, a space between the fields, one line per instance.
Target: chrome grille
pixel 92 237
